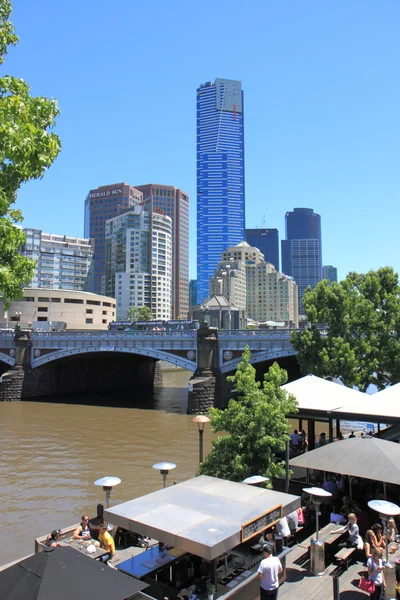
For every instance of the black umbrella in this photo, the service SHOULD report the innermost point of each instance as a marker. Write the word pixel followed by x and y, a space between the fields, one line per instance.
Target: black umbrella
pixel 64 574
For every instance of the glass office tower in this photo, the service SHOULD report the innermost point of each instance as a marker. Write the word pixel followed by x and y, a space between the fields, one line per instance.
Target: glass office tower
pixel 266 240
pixel 220 176
pixel 302 249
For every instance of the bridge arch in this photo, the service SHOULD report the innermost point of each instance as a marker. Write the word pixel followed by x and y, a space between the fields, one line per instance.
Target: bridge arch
pixel 180 361
pixel 6 358
pixel 257 358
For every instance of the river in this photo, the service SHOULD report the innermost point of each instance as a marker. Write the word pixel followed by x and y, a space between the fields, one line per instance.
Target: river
pixel 53 451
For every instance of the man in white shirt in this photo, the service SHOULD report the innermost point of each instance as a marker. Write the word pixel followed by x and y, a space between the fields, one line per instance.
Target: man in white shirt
pixel 268 574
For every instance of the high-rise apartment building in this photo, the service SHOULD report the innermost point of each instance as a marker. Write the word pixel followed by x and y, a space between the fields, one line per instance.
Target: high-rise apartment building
pixel 139 261
pixel 266 240
pixel 175 203
pixel 62 262
pixel 302 249
pixel 101 204
pixel 329 273
pixel 192 294
pixel 220 175
pixel 255 286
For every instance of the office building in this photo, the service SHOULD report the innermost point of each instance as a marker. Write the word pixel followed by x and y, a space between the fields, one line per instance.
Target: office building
pixel 229 280
pixel 267 241
pixel 302 249
pixel 220 175
pixel 139 261
pixel 175 203
pixel 101 204
pixel 192 294
pixel 62 261
pixel 329 273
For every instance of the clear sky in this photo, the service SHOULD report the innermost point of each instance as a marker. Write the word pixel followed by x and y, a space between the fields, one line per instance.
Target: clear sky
pixel 322 106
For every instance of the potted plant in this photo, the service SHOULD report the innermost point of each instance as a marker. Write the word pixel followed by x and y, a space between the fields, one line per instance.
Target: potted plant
pixel 211 589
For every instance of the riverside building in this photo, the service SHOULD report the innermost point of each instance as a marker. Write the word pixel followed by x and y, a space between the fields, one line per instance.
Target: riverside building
pixel 62 261
pixel 220 175
pixel 174 202
pixel 139 261
pixel 101 204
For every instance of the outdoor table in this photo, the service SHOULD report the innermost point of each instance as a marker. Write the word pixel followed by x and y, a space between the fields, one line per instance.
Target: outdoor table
pixel 80 546
pixel 151 560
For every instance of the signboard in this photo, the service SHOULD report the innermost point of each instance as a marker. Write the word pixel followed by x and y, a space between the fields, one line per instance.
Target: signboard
pixel 257 525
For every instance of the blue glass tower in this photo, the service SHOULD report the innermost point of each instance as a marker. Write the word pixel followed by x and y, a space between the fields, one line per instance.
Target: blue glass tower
pixel 266 240
pixel 220 176
pixel 302 249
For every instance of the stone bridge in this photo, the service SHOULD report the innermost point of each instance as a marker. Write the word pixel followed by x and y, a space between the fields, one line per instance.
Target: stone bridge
pixel 51 361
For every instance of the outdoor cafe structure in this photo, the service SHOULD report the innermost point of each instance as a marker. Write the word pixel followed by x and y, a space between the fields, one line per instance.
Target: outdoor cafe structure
pixel 320 400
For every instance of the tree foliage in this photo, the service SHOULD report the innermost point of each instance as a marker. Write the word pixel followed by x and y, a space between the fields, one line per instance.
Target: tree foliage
pixel 28 146
pixel 362 344
pixel 134 313
pixel 255 426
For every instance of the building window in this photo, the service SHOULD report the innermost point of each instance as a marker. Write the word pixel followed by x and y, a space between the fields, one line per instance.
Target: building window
pixel 72 301
pixel 42 308
pixel 89 311
pixel 104 321
pixel 89 321
pixel 104 312
pixel 42 319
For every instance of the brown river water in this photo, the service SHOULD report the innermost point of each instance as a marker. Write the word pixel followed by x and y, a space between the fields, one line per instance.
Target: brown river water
pixel 53 451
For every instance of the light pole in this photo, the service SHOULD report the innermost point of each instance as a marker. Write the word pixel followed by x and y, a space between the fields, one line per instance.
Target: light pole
pixel 201 420
pixel 107 483
pixel 164 468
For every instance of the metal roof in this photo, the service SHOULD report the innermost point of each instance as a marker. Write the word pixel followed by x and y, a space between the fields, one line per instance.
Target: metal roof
pixel 203 515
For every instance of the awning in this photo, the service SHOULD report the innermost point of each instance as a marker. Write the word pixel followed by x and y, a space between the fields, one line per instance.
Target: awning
pixel 367 457
pixel 63 573
pixel 203 515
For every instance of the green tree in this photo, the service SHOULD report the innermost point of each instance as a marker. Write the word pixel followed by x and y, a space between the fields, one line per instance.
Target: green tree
pixel 361 343
pixel 255 426
pixel 27 148
pixel 134 313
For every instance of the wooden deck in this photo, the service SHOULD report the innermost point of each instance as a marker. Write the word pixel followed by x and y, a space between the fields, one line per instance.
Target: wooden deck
pixel 301 584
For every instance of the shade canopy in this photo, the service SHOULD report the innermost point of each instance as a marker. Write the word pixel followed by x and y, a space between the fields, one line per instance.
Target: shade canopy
pixel 203 515
pixel 367 457
pixel 320 398
pixel 65 573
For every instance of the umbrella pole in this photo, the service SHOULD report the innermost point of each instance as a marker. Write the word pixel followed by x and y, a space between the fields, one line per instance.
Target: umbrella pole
pixel 287 467
pixel 350 487
pixel 384 490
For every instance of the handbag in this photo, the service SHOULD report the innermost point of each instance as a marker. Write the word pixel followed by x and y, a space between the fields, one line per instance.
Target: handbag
pixel 366 585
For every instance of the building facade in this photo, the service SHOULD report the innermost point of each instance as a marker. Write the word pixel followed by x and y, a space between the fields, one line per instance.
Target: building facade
pixel 302 249
pixel 101 204
pixel 266 240
pixel 44 307
pixel 329 273
pixel 62 261
pixel 175 203
pixel 139 261
pixel 192 294
pixel 220 175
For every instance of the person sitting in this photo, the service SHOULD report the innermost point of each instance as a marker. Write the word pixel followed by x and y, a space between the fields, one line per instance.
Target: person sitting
pixel 322 440
pixel 391 530
pixel 282 530
pixel 295 438
pixel 380 540
pixel 82 532
pixel 336 517
pixel 107 543
pixel 53 539
pixel 353 530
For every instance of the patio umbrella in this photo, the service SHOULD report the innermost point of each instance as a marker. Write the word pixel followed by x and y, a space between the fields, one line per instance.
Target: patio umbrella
pixel 65 573
pixel 367 457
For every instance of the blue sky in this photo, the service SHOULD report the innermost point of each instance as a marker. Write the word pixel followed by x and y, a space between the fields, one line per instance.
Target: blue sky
pixel 322 98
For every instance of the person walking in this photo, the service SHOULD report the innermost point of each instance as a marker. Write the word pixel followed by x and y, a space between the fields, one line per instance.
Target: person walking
pixel 375 573
pixel 268 574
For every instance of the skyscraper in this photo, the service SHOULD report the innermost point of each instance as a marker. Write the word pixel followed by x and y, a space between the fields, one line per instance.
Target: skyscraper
pixel 266 240
pixel 139 261
pixel 220 175
pixel 302 249
pixel 329 273
pixel 175 203
pixel 101 204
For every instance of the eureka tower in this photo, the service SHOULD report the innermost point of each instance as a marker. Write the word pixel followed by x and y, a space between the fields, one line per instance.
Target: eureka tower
pixel 220 176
